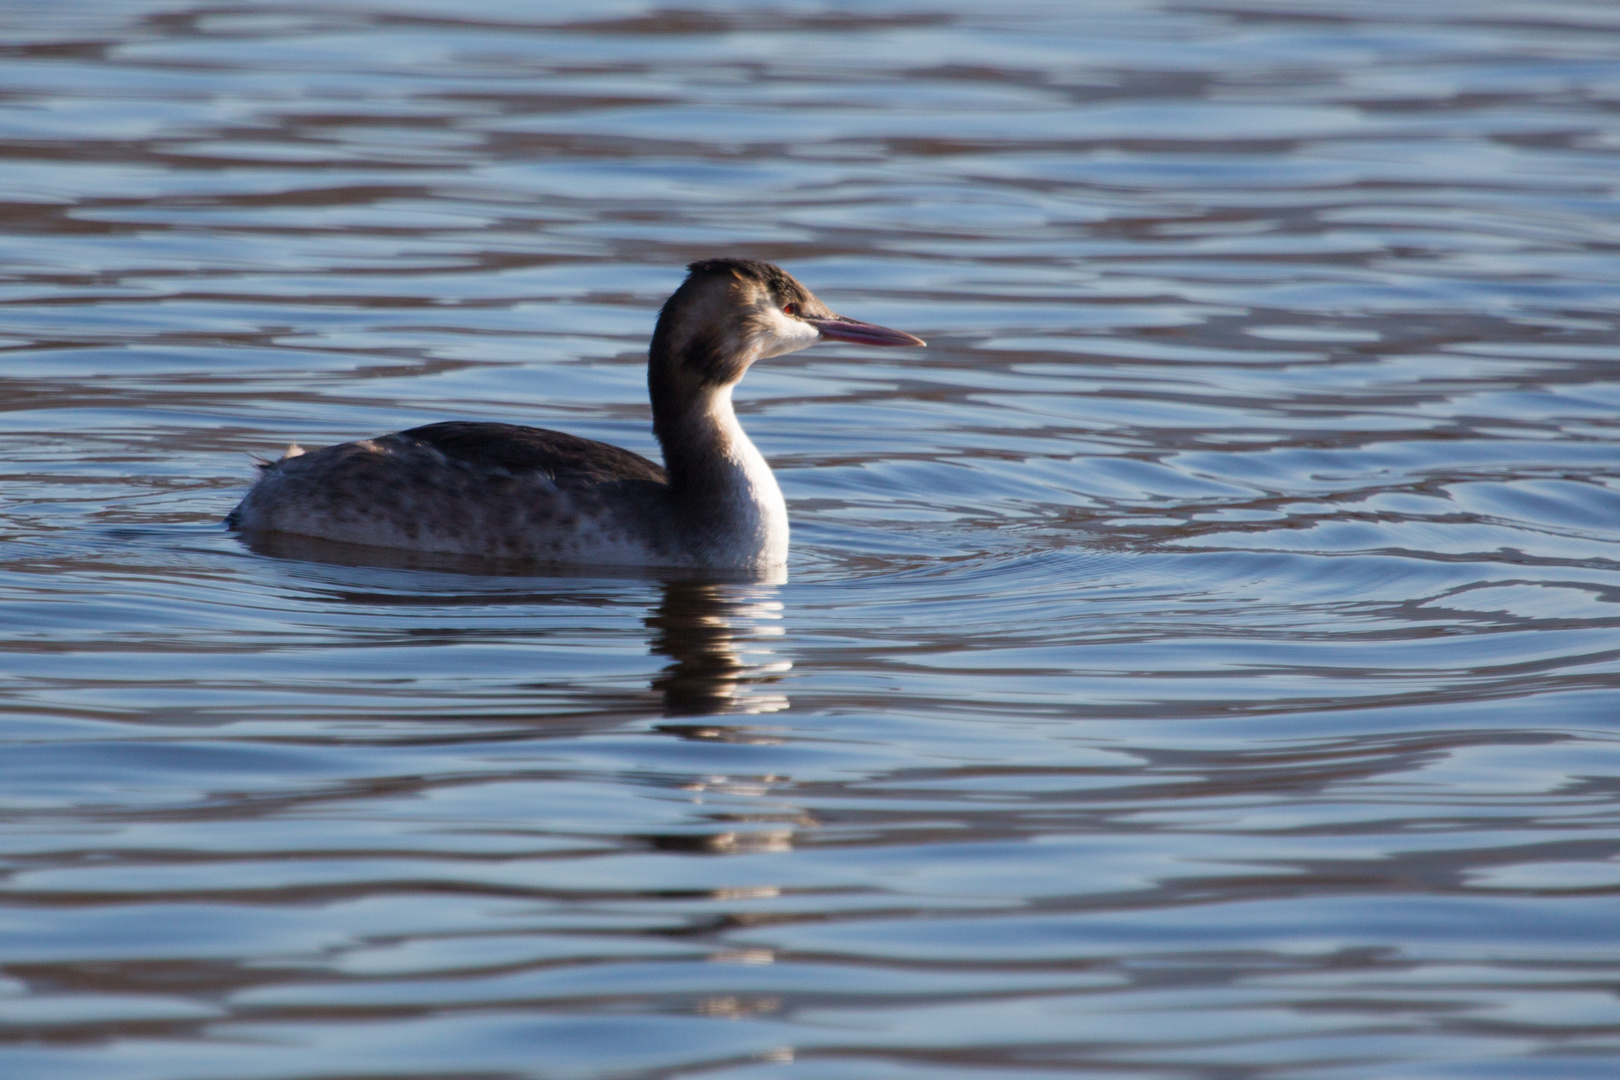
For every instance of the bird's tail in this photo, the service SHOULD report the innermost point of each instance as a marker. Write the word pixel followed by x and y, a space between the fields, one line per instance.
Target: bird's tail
pixel 293 450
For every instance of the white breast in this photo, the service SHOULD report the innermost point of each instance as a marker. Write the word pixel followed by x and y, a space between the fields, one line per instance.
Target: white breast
pixel 757 526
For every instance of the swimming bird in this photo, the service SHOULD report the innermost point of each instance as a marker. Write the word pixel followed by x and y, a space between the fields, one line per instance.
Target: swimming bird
pixel 511 492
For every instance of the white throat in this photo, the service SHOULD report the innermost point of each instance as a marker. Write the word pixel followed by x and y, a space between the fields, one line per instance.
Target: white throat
pixel 755 517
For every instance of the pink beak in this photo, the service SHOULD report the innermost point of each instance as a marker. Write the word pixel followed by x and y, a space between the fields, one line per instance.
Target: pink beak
pixel 838 328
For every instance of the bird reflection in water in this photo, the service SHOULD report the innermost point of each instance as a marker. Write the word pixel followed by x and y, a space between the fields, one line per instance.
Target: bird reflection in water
pixel 713 632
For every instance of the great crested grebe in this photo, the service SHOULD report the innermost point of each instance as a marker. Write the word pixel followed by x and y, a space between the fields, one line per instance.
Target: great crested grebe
pixel 509 492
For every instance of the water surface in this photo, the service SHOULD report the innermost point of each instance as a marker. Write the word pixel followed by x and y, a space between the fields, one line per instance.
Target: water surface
pixel 1200 663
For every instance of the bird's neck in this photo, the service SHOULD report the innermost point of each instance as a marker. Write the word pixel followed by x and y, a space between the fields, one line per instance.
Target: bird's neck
pixel 720 486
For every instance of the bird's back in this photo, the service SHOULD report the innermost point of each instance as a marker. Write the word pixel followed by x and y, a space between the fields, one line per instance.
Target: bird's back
pixel 489 490
pixel 567 459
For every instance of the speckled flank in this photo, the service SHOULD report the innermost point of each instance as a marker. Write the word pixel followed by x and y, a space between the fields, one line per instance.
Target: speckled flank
pixel 397 492
pixel 507 492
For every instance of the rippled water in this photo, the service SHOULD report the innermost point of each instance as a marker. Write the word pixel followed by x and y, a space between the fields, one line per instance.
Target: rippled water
pixel 1201 662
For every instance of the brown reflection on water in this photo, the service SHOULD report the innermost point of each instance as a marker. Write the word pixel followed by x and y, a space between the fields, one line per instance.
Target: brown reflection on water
pixel 694 626
pixel 714 632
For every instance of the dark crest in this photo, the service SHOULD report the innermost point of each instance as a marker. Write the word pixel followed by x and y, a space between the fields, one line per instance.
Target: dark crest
pixel 774 278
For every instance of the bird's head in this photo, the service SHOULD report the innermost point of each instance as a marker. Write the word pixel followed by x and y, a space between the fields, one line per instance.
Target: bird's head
pixel 729 313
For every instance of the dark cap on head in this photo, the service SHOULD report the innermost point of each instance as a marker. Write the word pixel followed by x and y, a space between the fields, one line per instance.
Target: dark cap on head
pixel 782 284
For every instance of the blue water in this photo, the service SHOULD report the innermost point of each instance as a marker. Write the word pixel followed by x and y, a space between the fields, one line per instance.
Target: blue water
pixel 1200 663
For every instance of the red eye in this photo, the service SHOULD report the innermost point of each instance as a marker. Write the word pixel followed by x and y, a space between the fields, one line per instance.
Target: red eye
pixel 790 309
